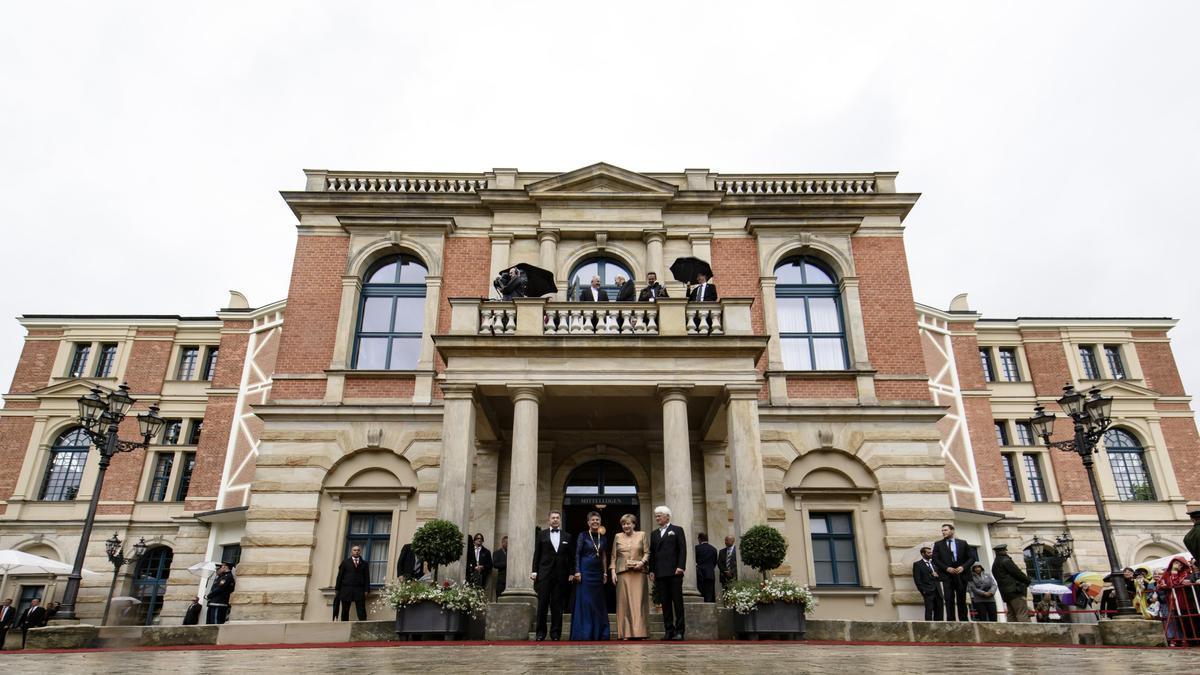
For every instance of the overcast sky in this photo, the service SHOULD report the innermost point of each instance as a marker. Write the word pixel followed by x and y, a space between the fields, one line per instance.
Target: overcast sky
pixel 1057 145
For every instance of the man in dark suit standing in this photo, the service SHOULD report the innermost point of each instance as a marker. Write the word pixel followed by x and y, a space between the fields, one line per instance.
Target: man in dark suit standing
pixel 33 617
pixel 653 289
pixel 553 566
pixel 191 616
pixel 929 583
pixel 727 562
pixel 706 568
pixel 353 580
pixel 479 562
pixel 593 293
pixel 626 290
pixel 952 558
pixel 219 593
pixel 668 560
pixel 703 291
pixel 8 617
pixel 409 566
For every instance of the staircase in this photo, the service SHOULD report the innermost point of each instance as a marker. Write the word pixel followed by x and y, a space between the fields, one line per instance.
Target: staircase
pixel 654 623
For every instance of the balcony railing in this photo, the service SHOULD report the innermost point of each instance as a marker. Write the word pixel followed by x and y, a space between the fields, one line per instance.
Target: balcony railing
pixel 541 317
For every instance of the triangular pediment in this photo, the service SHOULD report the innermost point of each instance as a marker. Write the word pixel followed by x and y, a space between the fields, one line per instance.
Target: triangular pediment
pixel 69 389
pixel 601 179
pixel 1125 388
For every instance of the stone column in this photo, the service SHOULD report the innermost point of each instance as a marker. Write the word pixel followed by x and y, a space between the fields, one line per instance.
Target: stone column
pixel 548 253
pixel 501 245
pixel 856 334
pixel 483 498
pixel 523 490
pixel 457 463
pixel 745 462
pixel 716 498
pixel 654 254
pixel 677 472
pixel 776 384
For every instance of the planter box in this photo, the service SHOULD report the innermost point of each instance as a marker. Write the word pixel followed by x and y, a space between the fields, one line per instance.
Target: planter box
pixel 428 618
pixel 775 619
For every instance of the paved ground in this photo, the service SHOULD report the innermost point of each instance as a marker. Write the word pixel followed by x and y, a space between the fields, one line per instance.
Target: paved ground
pixel 652 657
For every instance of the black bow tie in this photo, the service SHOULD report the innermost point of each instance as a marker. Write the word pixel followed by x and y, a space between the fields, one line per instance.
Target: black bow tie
pixel 553 531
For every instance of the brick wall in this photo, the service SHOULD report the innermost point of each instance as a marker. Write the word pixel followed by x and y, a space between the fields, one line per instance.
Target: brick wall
pixel 1158 365
pixel 823 388
pixel 314 301
pixel 14 440
pixel 1183 446
pixel 210 452
pixel 1047 362
pixel 148 361
pixel 466 265
pixel 36 362
pixel 736 274
pixel 377 387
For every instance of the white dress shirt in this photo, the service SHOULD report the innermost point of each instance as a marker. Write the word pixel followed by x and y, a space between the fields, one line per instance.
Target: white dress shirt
pixel 556 538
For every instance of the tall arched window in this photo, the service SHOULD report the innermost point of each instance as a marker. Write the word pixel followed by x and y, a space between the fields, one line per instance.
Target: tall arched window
pixel 605 268
pixel 1128 462
pixel 812 335
pixel 150 581
pixel 391 315
pixel 64 468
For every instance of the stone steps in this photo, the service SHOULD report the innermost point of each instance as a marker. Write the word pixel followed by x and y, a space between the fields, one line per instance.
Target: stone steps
pixel 654 626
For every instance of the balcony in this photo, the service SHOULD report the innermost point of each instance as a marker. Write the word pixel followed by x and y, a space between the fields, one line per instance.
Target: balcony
pixel 529 317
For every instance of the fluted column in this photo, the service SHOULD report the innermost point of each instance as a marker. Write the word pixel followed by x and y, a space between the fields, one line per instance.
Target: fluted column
pixel 745 460
pixel 523 489
pixel 458 462
pixel 677 472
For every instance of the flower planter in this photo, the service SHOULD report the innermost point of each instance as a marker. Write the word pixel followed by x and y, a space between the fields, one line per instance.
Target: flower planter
pixel 428 618
pixel 773 619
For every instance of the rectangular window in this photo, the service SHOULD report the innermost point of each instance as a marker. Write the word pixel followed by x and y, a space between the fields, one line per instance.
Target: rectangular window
pixel 1010 476
pixel 28 595
pixel 194 431
pixel 171 431
pixel 1087 356
pixel 1116 367
pixel 1024 433
pixel 210 364
pixel 373 532
pixel 1033 472
pixel 1008 364
pixel 1001 433
pixel 161 478
pixel 185 476
pixel 108 358
pixel 231 554
pixel 79 360
pixel 985 360
pixel 188 356
pixel 834 559
pixel 63 473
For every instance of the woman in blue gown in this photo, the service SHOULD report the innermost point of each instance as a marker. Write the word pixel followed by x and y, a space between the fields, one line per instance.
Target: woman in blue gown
pixel 589 618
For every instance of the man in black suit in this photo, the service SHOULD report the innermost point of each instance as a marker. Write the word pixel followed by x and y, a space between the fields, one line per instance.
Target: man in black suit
pixel 34 616
pixel 706 568
pixel 353 580
pixel 929 583
pixel 479 562
pixel 653 289
pixel 593 293
pixel 952 558
pixel 500 561
pixel 703 291
pixel 553 567
pixel 191 615
pixel 626 291
pixel 409 566
pixel 668 560
pixel 727 562
pixel 8 617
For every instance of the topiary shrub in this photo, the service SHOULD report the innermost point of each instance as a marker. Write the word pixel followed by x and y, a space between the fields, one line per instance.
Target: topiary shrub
pixel 763 548
pixel 438 542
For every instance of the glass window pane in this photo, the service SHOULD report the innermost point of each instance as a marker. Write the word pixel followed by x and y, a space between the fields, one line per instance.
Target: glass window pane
pixel 620 489
pixel 795 353
pixel 791 314
pixel 584 273
pixel 404 353
pixel 841 523
pixel 815 275
pixel 847 573
pixel 377 314
pixel 824 315
pixel 829 353
pixel 412 272
pixel 410 315
pixel 843 549
pixel 583 490
pixel 789 273
pixel 360 524
pixel 818 525
pixel 383 525
pixel 384 275
pixel 611 270
pixel 824 572
pixel 372 353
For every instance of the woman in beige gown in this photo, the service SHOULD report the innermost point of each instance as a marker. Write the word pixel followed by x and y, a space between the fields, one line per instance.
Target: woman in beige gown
pixel 630 553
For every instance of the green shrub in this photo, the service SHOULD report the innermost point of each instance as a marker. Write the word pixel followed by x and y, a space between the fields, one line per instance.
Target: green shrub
pixel 438 542
pixel 763 548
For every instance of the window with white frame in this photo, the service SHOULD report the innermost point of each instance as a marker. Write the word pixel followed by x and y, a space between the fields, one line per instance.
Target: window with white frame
pixel 808 304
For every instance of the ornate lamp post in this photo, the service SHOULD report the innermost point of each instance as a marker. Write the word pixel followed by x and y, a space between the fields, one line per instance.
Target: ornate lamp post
pixel 1091 416
pixel 116 555
pixel 101 416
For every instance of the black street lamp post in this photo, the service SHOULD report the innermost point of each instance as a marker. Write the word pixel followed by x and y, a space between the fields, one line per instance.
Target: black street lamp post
pixel 1091 416
pixel 101 416
pixel 116 555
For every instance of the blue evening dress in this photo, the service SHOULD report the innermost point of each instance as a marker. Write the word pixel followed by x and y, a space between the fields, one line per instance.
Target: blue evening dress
pixel 589 618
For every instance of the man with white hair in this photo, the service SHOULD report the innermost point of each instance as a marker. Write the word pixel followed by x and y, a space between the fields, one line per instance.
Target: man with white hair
pixel 668 560
pixel 594 293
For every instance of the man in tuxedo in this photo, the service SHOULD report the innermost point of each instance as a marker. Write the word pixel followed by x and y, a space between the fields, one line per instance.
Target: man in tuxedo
pixel 553 567
pixel 703 291
pixel 653 289
pixel 353 580
pixel 668 560
pixel 706 568
pixel 191 615
pixel 34 616
pixel 626 291
pixel 593 293
pixel 929 583
pixel 727 562
pixel 500 563
pixel 479 562
pixel 952 559
pixel 409 566
pixel 8 617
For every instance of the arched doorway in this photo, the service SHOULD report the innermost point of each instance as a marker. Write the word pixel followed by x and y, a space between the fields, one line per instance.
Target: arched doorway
pixel 607 488
pixel 150 582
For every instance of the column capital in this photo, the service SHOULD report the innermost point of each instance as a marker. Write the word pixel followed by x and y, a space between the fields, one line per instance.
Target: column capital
pixel 676 391
pixel 501 237
pixel 548 234
pixel 700 236
pixel 654 235
pixel 457 390
pixel 743 391
pixel 526 392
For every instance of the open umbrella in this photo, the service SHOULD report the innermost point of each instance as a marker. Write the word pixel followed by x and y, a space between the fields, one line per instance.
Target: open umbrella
pixel 1091 583
pixel 203 569
pixel 125 600
pixel 1052 589
pixel 686 269
pixel 16 562
pixel 541 282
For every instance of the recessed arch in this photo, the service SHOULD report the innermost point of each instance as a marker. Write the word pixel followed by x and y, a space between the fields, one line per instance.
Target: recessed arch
pixel 837 260
pixel 367 466
pixel 371 253
pixel 631 260
pixel 830 466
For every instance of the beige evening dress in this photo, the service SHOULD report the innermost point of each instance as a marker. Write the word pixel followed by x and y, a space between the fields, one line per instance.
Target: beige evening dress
pixel 632 598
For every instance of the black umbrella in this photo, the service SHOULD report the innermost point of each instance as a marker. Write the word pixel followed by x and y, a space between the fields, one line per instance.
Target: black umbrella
pixel 541 282
pixel 686 269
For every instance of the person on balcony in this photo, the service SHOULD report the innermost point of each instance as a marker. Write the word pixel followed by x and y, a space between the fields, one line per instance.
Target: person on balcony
pixel 703 291
pixel 511 283
pixel 653 289
pixel 594 293
pixel 626 290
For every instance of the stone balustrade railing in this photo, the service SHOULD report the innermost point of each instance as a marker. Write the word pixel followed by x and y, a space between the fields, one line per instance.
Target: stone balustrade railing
pixel 530 317
pixel 798 186
pixel 404 184
pixel 593 318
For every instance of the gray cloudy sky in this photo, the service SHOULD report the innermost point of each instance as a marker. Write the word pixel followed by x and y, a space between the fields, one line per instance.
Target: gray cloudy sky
pixel 142 145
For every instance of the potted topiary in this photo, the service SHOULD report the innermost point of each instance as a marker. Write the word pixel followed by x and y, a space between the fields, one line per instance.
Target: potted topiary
pixel 768 606
pixel 436 608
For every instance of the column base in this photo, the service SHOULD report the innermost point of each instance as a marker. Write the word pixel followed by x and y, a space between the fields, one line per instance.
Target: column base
pixel 509 620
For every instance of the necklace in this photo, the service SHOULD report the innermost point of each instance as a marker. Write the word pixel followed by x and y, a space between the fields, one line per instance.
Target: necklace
pixel 596 543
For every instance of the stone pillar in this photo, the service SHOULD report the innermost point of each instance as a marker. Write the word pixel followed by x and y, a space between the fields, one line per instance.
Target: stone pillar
pixel 745 462
pixel 654 255
pixel 776 384
pixel 483 497
pixel 677 472
pixel 523 490
pixel 423 388
pixel 548 253
pixel 501 245
pixel 716 498
pixel 457 463
pixel 856 334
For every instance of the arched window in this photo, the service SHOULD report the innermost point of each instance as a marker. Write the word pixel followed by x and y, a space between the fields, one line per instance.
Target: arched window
pixel 64 468
pixel 1128 462
pixel 812 335
pixel 150 581
pixel 605 268
pixel 391 315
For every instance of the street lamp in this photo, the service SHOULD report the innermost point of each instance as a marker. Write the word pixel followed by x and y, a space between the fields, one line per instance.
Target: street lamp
pixel 1091 415
pixel 116 555
pixel 101 416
